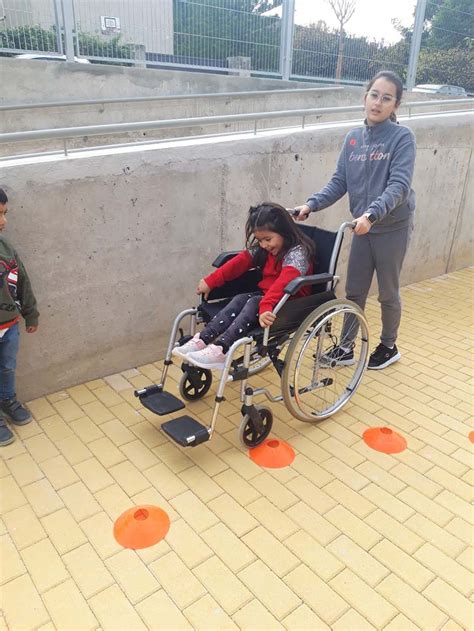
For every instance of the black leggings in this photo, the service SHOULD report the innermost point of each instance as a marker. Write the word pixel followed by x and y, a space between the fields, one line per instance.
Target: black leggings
pixel 233 321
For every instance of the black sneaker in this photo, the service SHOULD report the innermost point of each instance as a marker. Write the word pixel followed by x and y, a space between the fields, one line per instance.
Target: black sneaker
pixel 18 414
pixel 6 434
pixel 383 357
pixel 337 356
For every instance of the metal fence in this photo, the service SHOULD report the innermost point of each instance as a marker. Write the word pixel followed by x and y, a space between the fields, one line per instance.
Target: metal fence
pixel 229 36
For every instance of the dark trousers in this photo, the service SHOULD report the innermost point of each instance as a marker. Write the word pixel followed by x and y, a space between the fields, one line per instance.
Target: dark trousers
pixel 233 321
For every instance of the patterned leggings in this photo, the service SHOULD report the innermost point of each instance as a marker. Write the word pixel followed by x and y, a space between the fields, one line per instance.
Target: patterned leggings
pixel 233 321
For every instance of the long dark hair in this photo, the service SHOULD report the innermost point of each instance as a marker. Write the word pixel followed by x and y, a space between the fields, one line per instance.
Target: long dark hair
pixel 397 82
pixel 273 217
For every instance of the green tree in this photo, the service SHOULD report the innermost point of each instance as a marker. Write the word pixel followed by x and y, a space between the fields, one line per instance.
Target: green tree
pixel 209 31
pixel 452 25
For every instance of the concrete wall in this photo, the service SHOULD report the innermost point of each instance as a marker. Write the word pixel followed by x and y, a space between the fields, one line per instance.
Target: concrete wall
pixel 115 242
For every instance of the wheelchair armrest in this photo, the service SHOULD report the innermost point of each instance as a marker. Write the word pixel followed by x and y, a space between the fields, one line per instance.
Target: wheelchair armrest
pixel 224 257
pixel 315 279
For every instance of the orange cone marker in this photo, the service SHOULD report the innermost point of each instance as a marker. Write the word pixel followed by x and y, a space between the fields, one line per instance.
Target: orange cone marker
pixel 272 454
pixel 471 437
pixel 141 527
pixel 385 440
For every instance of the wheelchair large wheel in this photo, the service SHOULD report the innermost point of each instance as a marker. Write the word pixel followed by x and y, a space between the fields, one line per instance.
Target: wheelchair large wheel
pixel 194 383
pixel 314 385
pixel 250 435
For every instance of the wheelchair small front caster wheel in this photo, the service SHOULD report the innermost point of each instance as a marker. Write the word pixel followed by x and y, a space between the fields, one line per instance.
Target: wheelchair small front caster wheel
pixel 194 383
pixel 249 434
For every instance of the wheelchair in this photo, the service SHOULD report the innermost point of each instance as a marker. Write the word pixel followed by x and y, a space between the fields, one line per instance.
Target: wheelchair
pixel 299 346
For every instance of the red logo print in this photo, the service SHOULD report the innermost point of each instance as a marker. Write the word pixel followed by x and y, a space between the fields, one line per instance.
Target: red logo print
pixel 352 141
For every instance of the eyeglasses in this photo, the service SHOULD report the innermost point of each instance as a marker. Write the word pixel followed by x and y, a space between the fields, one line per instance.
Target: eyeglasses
pixel 383 98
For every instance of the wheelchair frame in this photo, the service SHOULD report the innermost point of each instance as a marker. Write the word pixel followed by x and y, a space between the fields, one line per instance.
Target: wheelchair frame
pixel 316 328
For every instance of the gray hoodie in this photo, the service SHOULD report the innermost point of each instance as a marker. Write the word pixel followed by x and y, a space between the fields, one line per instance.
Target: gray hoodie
pixel 375 167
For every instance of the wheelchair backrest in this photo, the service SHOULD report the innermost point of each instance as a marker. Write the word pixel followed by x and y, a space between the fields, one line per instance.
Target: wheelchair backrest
pixel 324 242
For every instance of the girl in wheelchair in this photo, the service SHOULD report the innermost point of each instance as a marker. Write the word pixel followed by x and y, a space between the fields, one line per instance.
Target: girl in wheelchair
pixel 282 252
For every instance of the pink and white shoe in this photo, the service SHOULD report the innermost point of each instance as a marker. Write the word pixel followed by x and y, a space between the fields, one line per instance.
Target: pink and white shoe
pixel 195 344
pixel 209 358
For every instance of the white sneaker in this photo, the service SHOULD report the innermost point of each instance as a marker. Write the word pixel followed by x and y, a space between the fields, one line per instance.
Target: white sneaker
pixel 195 344
pixel 210 357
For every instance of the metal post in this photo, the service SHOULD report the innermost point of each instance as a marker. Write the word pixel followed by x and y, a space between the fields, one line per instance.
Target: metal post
pixel 286 43
pixel 58 27
pixel 68 22
pixel 415 44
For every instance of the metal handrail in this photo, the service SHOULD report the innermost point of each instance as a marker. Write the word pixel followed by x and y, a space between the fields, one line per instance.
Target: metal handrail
pixel 94 130
pixel 166 97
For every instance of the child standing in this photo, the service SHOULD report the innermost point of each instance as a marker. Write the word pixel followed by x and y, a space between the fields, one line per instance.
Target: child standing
pixel 375 167
pixel 276 246
pixel 16 298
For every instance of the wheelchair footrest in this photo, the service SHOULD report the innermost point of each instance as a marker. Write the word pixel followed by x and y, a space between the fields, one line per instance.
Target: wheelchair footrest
pixel 160 402
pixel 186 431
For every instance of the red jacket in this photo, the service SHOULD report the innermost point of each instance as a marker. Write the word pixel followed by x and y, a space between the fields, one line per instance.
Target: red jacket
pixel 275 274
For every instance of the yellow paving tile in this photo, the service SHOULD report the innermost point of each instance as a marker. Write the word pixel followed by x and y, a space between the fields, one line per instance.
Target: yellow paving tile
pixel 142 457
pixel 409 602
pixel 94 475
pixel 106 452
pixel 88 570
pixel 388 502
pixel 107 396
pixel 456 505
pixel 402 564
pixel 178 581
pixel 358 560
pixel 353 527
pixel 352 620
pixel 126 413
pixel 222 584
pixel 256 616
pixel 274 554
pixel 201 484
pixel 381 477
pixel 41 448
pixel 55 428
pixel 421 504
pixel 81 394
pixel 274 491
pixel 314 555
pixel 15 596
pixel 401 623
pixel 11 496
pixel 275 521
pixel 24 469
pixel 74 450
pixel 99 532
pixel 86 429
pixel 12 565
pixel 113 500
pixel 63 531
pixel 160 607
pixel 118 433
pixel 451 602
pixel 68 409
pixel 97 412
pixel 165 481
pixel 41 408
pixel 114 611
pixel 349 499
pixel 59 472
pixel 24 527
pixel 373 607
pixel 132 575
pixel 228 547
pixel 312 471
pixel 394 531
pixel 304 618
pixel 189 546
pixel 446 568
pixel 44 565
pixel 272 591
pixel 311 521
pixel 207 614
pixel 439 537
pixel 79 501
pixel 193 511
pixel 237 487
pixel 129 478
pixel 42 497
pixel 237 518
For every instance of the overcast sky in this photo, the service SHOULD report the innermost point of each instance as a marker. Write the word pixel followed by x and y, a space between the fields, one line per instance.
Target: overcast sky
pixel 372 18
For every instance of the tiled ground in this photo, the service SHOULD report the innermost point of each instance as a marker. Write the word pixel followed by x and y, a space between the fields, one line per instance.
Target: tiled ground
pixel 345 538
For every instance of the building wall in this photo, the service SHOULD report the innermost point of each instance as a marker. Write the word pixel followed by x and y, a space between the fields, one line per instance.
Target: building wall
pixel 147 23
pixel 115 241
